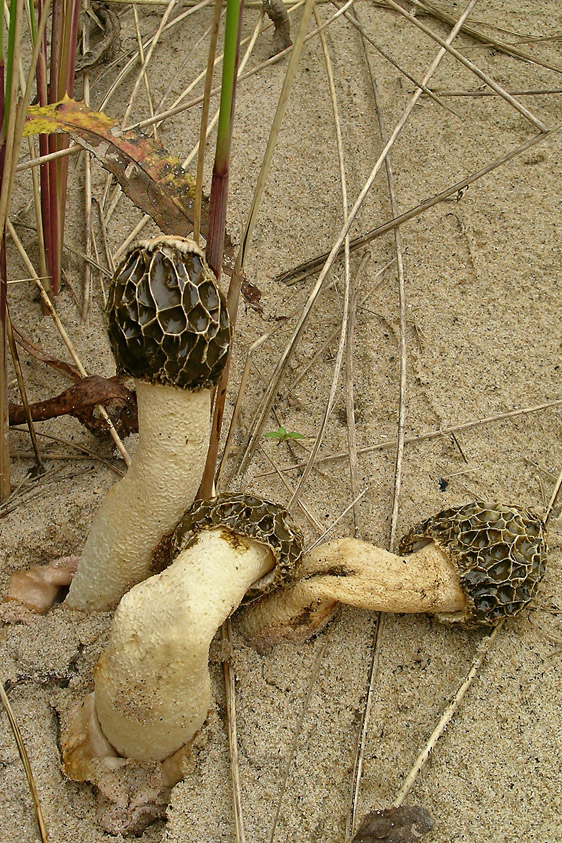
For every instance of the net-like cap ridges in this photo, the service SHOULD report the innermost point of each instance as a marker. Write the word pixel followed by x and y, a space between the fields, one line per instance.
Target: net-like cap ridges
pixel 500 552
pixel 168 321
pixel 249 516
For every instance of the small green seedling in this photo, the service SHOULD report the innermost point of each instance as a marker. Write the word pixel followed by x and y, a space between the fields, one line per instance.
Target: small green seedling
pixel 281 435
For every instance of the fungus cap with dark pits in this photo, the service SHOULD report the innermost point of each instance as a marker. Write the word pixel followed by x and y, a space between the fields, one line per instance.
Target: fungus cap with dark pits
pixel 475 565
pixel 500 553
pixel 247 515
pixel 167 319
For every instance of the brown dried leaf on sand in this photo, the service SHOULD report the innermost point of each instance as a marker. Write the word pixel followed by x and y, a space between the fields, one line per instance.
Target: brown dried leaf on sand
pixel 394 825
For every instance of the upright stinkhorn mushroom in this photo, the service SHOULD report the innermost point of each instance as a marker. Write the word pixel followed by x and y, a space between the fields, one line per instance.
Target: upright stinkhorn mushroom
pixel 474 564
pixel 169 330
pixel 152 684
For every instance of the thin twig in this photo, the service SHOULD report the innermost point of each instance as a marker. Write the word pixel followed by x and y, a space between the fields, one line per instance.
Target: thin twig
pixel 402 308
pixel 230 689
pixel 347 284
pixel 204 120
pixel 303 270
pixel 26 765
pixel 471 66
pixel 483 652
pixel 65 338
pixel 233 295
pixel 366 716
pixel 427 91
pixel 432 434
pixel 293 748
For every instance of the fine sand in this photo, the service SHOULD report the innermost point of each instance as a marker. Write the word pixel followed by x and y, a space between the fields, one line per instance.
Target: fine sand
pixel 483 292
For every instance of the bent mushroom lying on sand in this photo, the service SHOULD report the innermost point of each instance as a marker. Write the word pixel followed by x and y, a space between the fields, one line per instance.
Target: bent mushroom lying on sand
pixel 478 564
pixel 169 329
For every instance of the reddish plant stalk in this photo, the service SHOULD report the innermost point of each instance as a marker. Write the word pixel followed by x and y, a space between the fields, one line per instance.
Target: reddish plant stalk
pixel 4 407
pixel 218 199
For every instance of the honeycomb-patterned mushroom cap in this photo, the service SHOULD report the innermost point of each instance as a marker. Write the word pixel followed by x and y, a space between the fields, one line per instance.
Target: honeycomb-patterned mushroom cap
pixel 252 517
pixel 167 319
pixel 500 552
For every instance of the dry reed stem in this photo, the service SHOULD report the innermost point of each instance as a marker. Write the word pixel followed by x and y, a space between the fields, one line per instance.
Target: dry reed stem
pixel 312 520
pixel 517 93
pixel 487 40
pixel 376 637
pixel 42 159
pixel 233 295
pixel 471 66
pixel 81 448
pixel 483 651
pixel 347 284
pixel 326 531
pixel 257 69
pixel 23 392
pixel 554 496
pixel 303 270
pixel 26 764
pixel 349 390
pixel 402 309
pixel 427 91
pixel 230 690
pixel 293 748
pixel 143 71
pixel 251 41
pixel 432 434
pixel 124 72
pixel 273 387
pixel 65 338
pixel 87 285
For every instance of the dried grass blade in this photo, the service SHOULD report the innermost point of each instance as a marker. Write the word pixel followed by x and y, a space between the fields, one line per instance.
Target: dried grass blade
pixel 204 120
pixel 271 391
pixel 448 714
pixel 303 270
pixel 26 765
pixel 347 283
pixel 236 279
pixel 488 40
pixel 471 66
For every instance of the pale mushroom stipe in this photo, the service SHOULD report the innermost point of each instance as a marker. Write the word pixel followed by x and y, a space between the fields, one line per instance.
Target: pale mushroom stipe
pixel 169 330
pixel 474 564
pixel 152 684
pixel 477 564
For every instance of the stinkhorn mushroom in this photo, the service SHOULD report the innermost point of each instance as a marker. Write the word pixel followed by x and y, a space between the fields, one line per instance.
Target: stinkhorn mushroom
pixel 169 329
pixel 474 564
pixel 152 684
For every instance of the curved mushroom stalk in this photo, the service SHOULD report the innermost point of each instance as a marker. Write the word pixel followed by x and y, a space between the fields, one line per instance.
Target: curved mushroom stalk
pixel 475 564
pixel 352 572
pixel 147 503
pixel 152 684
pixel 169 330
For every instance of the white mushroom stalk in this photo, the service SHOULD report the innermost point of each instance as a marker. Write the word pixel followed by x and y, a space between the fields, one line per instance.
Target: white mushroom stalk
pixel 152 684
pixel 474 564
pixel 169 330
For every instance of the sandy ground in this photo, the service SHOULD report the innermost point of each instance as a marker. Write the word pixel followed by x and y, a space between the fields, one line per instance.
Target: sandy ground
pixel 482 280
